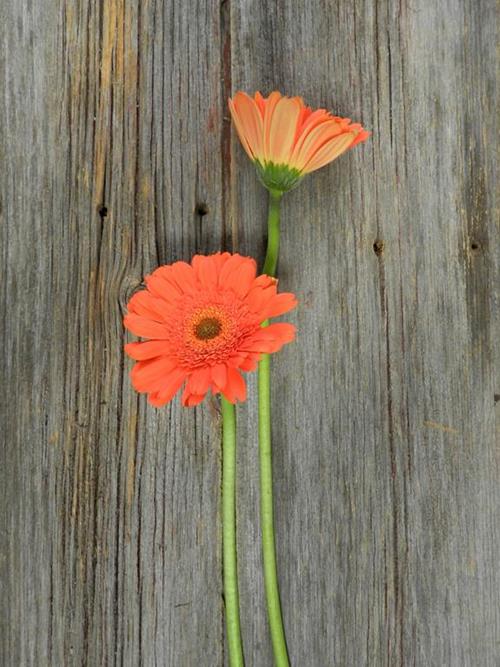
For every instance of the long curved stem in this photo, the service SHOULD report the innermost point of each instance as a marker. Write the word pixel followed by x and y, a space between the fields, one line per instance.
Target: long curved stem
pixel 265 461
pixel 273 233
pixel 231 596
pixel 267 517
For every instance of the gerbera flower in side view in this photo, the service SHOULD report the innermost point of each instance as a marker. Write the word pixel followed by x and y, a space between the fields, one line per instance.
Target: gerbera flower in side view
pixel 287 140
pixel 203 325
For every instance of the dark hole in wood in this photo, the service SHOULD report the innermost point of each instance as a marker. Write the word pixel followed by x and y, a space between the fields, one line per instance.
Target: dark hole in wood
pixel 378 247
pixel 496 397
pixel 103 211
pixel 201 209
pixel 474 245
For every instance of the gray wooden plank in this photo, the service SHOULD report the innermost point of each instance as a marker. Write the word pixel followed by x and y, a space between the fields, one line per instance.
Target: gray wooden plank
pixel 113 128
pixel 111 135
pixel 386 463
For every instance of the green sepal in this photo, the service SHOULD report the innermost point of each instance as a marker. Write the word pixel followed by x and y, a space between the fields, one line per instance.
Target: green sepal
pixel 277 177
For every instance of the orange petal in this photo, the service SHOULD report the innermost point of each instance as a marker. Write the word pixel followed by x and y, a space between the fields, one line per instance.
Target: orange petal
pixel 151 374
pixel 271 103
pixel 147 350
pixel 312 120
pixel 258 298
pixel 235 389
pixel 248 122
pixel 236 359
pixel 190 400
pixel 279 304
pixel 240 130
pixel 250 363
pixel 184 276
pixel 282 130
pixel 362 136
pixel 305 114
pixel 261 103
pixel 329 152
pixel 220 258
pixel 241 281
pixel 238 273
pixel 146 305
pixel 199 381
pixel 265 281
pixel 312 141
pixel 164 384
pixel 270 339
pixel 232 264
pixel 206 269
pixel 219 375
pixel 144 327
pixel 171 386
pixel 160 285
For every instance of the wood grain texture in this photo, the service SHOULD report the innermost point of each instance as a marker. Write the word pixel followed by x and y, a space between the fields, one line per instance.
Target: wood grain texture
pixel 117 156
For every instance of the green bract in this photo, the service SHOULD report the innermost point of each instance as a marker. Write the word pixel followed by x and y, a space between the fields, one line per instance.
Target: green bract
pixel 277 177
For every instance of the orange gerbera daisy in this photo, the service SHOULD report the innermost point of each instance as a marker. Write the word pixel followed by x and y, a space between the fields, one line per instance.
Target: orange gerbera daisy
pixel 204 324
pixel 286 139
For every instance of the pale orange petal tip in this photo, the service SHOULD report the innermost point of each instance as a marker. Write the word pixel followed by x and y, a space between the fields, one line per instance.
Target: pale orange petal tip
pixel 287 139
pixel 202 325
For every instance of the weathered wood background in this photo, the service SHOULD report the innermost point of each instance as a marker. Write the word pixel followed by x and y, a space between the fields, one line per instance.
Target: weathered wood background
pixel 118 155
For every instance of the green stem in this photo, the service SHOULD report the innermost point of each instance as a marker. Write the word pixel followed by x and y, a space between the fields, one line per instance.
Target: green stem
pixel 265 459
pixel 231 598
pixel 273 233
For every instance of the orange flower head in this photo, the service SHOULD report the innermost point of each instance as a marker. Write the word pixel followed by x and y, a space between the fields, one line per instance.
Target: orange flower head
pixel 203 321
pixel 286 139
